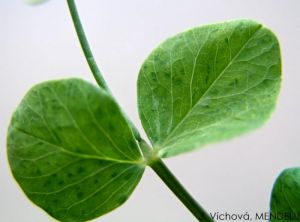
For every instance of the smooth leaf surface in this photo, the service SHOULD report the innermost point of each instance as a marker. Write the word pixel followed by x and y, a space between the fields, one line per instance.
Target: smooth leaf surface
pixel 285 201
pixel 72 151
pixel 208 84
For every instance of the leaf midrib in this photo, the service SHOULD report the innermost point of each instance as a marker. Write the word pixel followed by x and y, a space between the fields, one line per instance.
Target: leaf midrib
pixel 208 89
pixel 83 156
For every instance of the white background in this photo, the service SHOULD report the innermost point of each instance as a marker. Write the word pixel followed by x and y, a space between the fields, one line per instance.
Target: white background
pixel 39 43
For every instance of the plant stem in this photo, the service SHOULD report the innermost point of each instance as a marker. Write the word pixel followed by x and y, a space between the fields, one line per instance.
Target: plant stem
pixel 170 180
pixel 85 46
pixel 91 61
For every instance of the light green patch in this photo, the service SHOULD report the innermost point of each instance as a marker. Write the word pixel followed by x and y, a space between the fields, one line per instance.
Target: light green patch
pixel 35 2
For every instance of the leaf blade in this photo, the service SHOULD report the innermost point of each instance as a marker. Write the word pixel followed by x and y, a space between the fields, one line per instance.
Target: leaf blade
pixel 68 138
pixel 181 80
pixel 285 200
pixel 35 2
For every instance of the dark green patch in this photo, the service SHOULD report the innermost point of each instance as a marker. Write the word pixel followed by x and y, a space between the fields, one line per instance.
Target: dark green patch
pixel 80 170
pixel 114 174
pixel 79 195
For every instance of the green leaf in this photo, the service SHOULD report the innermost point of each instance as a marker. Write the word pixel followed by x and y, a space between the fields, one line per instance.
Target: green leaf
pixel 285 201
pixel 35 2
pixel 72 151
pixel 208 84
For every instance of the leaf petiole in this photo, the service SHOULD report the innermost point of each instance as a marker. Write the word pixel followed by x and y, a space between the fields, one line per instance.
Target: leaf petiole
pixel 85 46
pixel 91 60
pixel 170 180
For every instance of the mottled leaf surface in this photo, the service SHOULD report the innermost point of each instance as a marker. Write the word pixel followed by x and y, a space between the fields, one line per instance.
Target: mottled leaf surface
pixel 72 151
pixel 208 84
pixel 285 200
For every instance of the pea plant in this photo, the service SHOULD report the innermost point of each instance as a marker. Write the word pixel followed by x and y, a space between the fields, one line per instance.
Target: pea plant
pixel 76 154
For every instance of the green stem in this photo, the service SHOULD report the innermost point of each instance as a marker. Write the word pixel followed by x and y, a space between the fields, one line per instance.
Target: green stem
pixel 170 180
pixel 90 58
pixel 85 45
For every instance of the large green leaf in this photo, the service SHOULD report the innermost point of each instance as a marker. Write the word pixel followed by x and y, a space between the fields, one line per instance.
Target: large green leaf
pixel 208 84
pixel 285 201
pixel 72 151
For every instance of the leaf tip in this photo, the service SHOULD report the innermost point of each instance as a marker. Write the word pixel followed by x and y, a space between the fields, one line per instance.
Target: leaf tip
pixel 35 2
